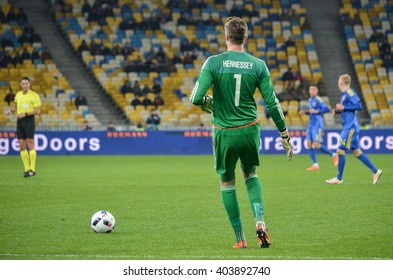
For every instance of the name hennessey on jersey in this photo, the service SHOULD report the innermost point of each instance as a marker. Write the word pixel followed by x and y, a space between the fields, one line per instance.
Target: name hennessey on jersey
pixel 237 64
pixel 235 76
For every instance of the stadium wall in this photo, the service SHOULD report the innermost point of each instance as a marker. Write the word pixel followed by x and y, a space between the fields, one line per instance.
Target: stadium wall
pixel 174 142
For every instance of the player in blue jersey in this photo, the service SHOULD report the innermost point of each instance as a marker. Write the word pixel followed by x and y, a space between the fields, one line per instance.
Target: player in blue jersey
pixel 317 107
pixel 349 138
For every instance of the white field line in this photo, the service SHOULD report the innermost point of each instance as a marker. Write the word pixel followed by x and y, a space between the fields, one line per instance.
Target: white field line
pixel 180 257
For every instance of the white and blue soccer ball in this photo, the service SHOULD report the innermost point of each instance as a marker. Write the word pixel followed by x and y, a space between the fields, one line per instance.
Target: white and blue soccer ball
pixel 103 222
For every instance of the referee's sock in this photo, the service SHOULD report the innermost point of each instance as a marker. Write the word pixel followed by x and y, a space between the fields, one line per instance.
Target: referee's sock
pixel 25 159
pixel 33 157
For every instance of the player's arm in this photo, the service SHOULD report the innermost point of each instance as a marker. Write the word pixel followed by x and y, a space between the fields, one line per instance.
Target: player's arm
pixel 324 108
pixel 351 103
pixel 198 95
pixel 37 106
pixel 321 108
pixel 36 111
pixel 275 111
pixel 271 101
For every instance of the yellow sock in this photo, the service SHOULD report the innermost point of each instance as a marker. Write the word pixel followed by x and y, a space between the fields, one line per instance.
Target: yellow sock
pixel 25 159
pixel 33 157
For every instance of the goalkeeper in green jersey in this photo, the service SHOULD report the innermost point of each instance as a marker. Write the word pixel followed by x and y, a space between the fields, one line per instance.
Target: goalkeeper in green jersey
pixel 235 75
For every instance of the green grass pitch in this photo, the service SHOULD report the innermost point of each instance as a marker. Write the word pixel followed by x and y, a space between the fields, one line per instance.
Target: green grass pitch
pixel 169 207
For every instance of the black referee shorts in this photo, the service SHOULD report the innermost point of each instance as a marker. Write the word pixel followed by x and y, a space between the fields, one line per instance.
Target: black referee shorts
pixel 25 128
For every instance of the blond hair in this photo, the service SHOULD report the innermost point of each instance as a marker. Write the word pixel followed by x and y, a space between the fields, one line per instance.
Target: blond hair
pixel 236 29
pixel 345 79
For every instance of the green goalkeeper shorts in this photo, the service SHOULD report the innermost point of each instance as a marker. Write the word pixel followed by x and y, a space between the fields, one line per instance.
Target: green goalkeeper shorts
pixel 229 145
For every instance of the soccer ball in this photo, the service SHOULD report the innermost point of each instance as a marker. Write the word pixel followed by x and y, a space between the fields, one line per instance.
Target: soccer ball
pixel 103 222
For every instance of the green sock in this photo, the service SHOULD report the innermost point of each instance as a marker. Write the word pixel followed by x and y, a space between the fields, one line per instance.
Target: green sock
pixel 229 199
pixel 254 192
pixel 25 159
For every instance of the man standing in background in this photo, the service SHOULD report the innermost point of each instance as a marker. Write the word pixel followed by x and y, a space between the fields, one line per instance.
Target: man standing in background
pixel 27 104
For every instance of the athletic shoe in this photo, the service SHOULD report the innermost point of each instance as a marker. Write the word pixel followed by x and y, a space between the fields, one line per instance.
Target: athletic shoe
pixel 263 237
pixel 26 174
pixel 313 168
pixel 31 173
pixel 335 160
pixel 240 245
pixel 334 181
pixel 376 176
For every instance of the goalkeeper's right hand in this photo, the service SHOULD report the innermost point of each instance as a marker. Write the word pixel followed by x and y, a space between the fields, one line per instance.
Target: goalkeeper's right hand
pixel 207 105
pixel 286 143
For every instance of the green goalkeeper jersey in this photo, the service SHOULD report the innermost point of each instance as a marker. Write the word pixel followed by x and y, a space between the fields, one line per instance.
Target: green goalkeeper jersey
pixel 235 77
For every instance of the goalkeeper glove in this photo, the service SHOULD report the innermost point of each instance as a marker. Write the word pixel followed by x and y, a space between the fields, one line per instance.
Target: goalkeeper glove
pixel 286 143
pixel 207 105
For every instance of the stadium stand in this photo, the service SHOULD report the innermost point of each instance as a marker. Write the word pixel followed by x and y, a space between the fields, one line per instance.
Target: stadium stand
pixel 119 41
pixel 23 55
pixel 368 28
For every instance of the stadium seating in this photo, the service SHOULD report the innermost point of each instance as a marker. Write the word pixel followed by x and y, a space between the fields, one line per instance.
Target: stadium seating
pixel 269 28
pixel 375 80
pixel 57 110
